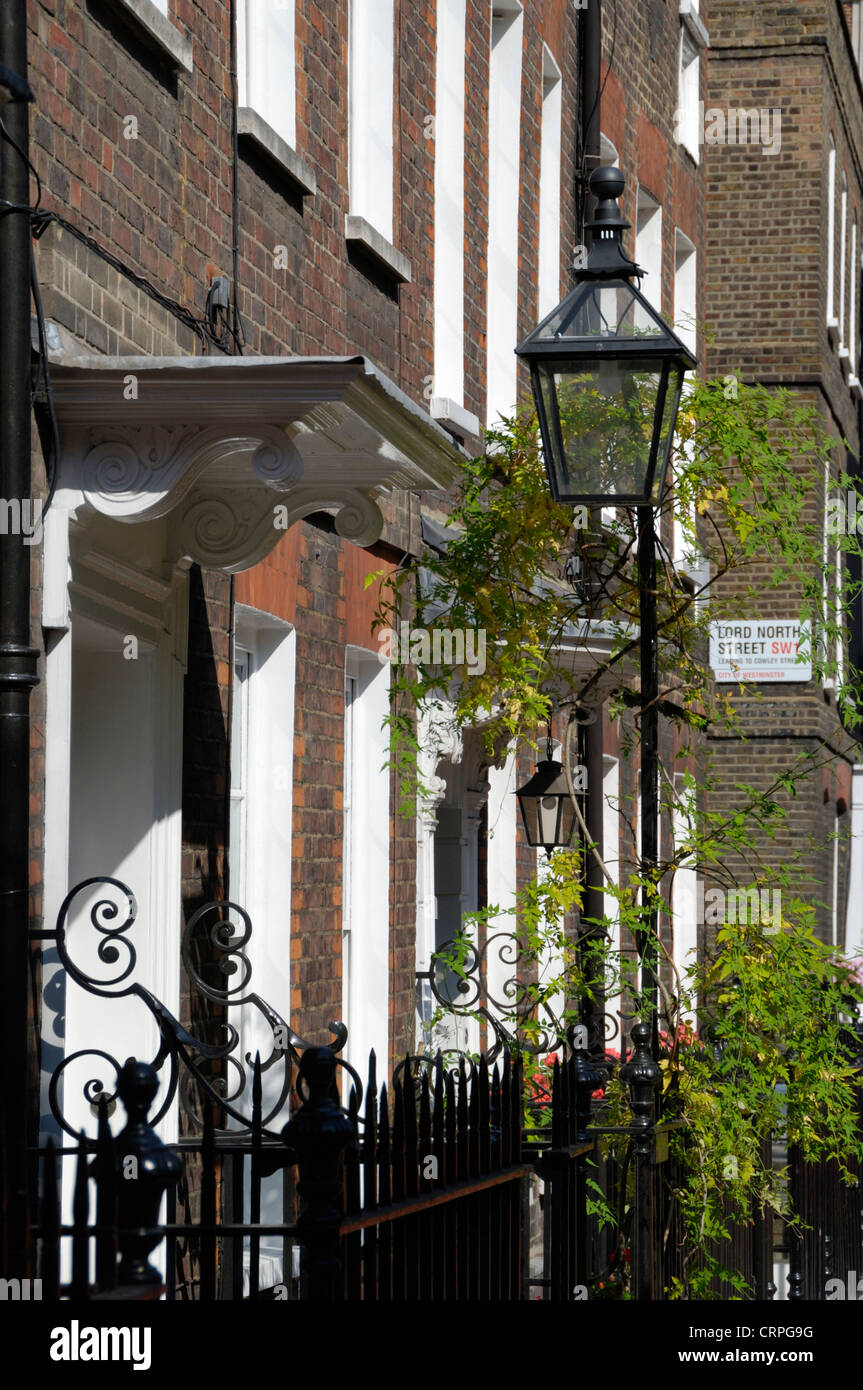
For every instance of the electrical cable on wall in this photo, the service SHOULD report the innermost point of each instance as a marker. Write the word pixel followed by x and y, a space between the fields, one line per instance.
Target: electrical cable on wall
pixel 214 327
pixel 210 328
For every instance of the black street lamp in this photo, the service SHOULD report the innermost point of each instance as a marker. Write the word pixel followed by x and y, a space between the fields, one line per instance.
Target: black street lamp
pixel 607 374
pixel 546 806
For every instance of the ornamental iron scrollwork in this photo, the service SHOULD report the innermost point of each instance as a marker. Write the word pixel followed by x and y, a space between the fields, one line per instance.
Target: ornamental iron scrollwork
pixel 464 992
pixel 184 1062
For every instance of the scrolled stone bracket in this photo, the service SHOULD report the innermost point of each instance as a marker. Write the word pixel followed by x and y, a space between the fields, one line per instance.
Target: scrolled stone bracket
pixel 145 471
pixel 231 529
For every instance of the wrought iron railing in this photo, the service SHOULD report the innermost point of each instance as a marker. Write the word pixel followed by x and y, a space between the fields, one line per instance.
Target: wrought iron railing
pixel 428 1186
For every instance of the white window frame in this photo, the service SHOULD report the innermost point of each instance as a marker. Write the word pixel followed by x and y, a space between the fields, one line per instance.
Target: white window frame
pixel 501 866
pixel 853 288
pixel 837 616
pixel 688 95
pixel 239 792
pixel 857 31
pixel 504 141
pixel 832 321
pixel 548 280
pixel 843 262
pixel 260 861
pixel 648 244
pixel 260 878
pixel 265 30
pixel 371 65
pixel 449 146
pixel 830 682
pixel 366 860
pixel 686 327
pixel 685 289
pixel 684 901
pixel 853 924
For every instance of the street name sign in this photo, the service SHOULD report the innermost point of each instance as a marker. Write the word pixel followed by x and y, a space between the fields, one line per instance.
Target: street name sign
pixel 760 649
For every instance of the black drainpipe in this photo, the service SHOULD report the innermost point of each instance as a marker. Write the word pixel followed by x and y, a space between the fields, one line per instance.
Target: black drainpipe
pixel 18 671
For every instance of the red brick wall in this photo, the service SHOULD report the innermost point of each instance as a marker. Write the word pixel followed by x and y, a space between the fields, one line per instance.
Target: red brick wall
pixel 163 204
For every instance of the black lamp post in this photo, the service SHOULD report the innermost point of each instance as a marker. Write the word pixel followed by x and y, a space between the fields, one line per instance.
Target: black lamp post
pixel 607 375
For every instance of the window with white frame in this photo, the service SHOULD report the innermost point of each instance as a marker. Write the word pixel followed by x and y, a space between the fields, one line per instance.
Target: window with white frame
pixel 449 131
pixel 837 615
pixel 857 31
pixel 267 64
pixel 607 151
pixel 688 128
pixel 261 792
pixel 648 244
pixel 832 321
pixel 685 290
pixel 852 927
pixel 370 131
pixel 366 856
pixel 825 555
pixel 843 262
pixel 688 90
pixel 261 806
pixel 549 187
pixel 239 773
pixel 504 136
pixel 853 295
pixel 834 904
pixel 685 325
pixel 684 899
pixel 501 864
pixel 831 589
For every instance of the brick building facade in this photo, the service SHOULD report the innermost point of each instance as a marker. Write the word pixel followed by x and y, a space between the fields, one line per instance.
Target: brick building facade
pixel 162 170
pixel 782 293
pixel 279 314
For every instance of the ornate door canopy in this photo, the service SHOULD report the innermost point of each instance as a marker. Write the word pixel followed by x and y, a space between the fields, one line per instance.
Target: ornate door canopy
pixel 226 453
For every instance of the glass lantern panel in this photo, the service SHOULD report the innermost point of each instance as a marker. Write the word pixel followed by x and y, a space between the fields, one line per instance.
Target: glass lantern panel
pixel 527 805
pixel 548 808
pixel 607 416
pixel 602 311
pixel 669 419
pixel 567 822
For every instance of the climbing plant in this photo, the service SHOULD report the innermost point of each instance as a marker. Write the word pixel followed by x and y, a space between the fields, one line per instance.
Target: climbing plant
pixel 759 1032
